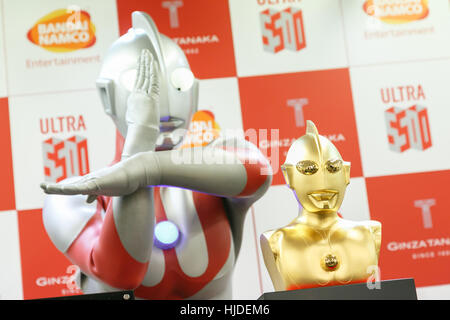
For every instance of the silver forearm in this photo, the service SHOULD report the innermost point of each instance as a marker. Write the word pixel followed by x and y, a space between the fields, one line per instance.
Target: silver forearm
pixel 210 170
pixel 139 139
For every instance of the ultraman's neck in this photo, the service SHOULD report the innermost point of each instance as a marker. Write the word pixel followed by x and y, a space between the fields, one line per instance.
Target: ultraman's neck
pixel 317 220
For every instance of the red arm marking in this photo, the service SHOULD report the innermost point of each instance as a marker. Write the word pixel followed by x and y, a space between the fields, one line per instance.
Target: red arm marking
pixel 255 165
pixel 98 251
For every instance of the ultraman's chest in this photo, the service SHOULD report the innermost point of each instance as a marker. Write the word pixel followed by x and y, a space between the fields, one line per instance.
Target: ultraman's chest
pixel 309 257
pixel 203 251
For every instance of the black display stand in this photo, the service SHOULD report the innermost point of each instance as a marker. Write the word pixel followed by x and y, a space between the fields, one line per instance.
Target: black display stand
pixel 119 295
pixel 401 289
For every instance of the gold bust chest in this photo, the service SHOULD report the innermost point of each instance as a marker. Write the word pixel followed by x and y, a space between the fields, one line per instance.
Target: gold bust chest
pixel 304 256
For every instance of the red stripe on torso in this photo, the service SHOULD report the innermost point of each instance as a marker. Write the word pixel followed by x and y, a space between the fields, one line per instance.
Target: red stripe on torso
pixel 102 254
pixel 175 283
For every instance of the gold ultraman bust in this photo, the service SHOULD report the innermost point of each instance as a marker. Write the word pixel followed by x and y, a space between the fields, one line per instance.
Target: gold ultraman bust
pixel 319 248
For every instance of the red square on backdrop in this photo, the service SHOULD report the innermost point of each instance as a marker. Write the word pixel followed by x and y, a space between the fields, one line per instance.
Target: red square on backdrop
pixel 201 28
pixel 413 210
pixel 286 101
pixel 7 197
pixel 44 268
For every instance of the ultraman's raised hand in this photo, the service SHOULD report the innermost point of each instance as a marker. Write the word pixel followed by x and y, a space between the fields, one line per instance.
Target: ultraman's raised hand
pixel 143 102
pixel 143 107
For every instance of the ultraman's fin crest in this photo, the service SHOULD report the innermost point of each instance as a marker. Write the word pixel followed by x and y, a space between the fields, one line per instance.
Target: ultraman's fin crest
pixel 141 20
pixel 312 130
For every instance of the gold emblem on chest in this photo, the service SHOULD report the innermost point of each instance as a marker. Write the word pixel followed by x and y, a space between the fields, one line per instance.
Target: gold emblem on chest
pixel 329 262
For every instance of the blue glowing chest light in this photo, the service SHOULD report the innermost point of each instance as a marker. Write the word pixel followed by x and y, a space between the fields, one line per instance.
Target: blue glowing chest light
pixel 166 235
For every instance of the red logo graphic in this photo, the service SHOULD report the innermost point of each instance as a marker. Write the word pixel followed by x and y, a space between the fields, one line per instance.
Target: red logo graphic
pixel 65 158
pixel 202 28
pixel 282 30
pixel 408 128
pixel 267 103
pixel 416 228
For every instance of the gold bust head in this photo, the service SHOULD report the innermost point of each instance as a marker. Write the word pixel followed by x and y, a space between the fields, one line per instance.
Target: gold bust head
pixel 316 172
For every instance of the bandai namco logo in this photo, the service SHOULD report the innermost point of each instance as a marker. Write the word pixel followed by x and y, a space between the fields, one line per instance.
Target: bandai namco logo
pixel 63 30
pixel 203 129
pixel 397 11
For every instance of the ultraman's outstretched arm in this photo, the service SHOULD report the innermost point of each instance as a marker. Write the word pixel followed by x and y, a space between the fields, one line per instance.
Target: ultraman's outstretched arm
pixel 115 249
pixel 228 168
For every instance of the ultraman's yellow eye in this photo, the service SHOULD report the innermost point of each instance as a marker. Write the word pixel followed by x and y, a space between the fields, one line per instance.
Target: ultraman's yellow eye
pixel 307 167
pixel 334 166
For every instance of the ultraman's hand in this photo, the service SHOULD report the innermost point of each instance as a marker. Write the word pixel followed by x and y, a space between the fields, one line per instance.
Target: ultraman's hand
pixel 121 179
pixel 143 107
pixel 143 102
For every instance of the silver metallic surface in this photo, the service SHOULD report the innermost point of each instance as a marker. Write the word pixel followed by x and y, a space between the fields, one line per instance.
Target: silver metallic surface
pixel 64 217
pixel 138 229
pixel 178 89
pixel 179 207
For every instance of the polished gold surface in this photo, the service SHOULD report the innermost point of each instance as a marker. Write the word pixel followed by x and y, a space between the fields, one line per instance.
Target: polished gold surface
pixel 318 248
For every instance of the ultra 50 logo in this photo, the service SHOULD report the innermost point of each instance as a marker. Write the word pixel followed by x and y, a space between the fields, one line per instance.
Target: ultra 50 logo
pixel 65 158
pixel 63 30
pixel 408 128
pixel 282 30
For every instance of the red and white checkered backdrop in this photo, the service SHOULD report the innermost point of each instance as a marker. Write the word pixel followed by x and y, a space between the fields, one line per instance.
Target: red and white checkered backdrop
pixel 373 75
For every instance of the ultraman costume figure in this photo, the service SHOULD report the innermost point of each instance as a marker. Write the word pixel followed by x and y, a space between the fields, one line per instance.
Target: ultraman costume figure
pixel 167 229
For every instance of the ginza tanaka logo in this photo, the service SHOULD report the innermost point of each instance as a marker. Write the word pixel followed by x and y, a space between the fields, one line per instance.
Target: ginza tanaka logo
pixel 63 30
pixel 397 11
pixel 282 30
pixel 408 128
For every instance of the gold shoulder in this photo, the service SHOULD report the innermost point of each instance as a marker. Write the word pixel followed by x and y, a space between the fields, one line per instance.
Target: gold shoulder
pixel 375 229
pixel 274 241
pixel 269 242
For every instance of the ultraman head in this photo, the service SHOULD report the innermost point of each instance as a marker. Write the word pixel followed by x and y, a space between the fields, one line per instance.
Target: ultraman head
pixel 315 171
pixel 178 87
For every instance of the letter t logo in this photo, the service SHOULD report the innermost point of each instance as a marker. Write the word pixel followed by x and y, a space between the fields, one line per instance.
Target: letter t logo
pixel 298 105
pixel 173 11
pixel 425 205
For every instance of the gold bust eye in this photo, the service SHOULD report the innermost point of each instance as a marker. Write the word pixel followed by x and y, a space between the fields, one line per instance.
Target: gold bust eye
pixel 334 166
pixel 307 167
